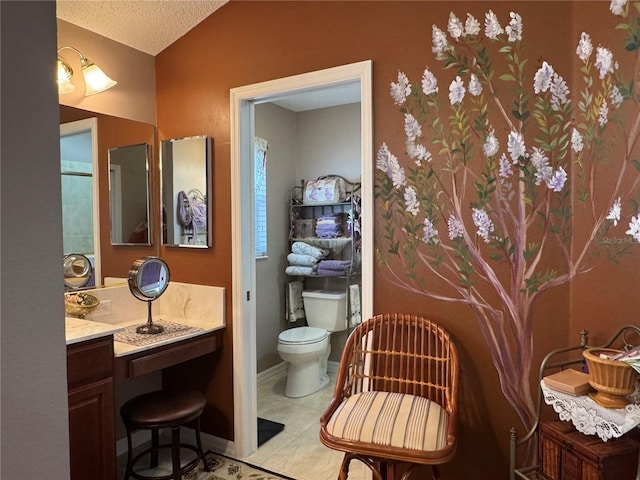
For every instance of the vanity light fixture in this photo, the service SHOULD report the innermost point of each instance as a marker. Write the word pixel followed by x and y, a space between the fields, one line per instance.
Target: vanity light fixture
pixel 95 80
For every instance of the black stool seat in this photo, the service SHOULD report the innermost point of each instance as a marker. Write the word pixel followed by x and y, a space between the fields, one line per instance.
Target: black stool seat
pixel 164 409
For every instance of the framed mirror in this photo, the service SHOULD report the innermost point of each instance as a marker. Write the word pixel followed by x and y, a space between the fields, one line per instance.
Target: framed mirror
pixel 129 195
pixel 185 165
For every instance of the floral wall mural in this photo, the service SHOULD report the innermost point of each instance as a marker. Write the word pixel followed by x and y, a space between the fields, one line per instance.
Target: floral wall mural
pixel 514 177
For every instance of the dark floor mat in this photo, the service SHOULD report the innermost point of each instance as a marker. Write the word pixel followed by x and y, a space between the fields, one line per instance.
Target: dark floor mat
pixel 267 430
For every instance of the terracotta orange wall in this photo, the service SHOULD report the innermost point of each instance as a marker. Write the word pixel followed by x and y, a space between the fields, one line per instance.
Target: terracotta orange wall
pixel 248 42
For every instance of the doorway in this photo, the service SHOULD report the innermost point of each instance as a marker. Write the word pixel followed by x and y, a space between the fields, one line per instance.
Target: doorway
pixel 243 100
pixel 79 176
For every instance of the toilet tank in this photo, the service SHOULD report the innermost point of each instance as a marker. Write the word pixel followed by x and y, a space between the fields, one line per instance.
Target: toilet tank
pixel 326 309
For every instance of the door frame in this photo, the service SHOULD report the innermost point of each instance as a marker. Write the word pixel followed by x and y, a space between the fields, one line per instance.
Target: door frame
pixel 243 100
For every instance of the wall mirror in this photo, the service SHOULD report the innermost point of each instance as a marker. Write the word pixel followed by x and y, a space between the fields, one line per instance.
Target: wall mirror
pixel 186 192
pixel 85 185
pixel 129 194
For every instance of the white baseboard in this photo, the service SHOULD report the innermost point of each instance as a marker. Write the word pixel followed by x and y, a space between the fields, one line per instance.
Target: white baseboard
pixel 333 367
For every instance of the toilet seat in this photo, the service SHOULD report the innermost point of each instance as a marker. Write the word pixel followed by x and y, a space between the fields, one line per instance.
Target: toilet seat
pixel 302 335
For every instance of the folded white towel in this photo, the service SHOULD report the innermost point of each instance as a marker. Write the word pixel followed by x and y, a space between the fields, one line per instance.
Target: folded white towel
pixel 299 270
pixel 354 305
pixel 300 259
pixel 295 304
pixel 306 249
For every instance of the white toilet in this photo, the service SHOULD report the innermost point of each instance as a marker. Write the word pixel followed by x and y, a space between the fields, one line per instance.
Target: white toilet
pixel 307 348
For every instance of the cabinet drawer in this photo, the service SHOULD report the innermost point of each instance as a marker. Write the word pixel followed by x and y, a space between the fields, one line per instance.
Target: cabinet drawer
pixel 566 454
pixel 158 358
pixel 89 361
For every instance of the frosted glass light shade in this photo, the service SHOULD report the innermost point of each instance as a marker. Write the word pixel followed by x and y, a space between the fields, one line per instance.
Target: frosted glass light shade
pixel 64 78
pixel 95 79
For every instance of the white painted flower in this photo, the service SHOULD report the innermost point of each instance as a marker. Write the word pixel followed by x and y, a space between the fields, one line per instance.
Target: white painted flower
pixel 576 141
pixel 440 43
pixel 543 77
pixel 603 114
pixel 429 82
pixel 559 92
pixel 505 167
pixel 475 87
pixel 483 223
pixel 540 163
pixel 557 180
pixel 634 228
pixel 456 229
pixel 514 29
pixel 412 128
pixel 491 144
pixel 418 153
pixel 616 97
pixel 492 27
pixel 400 90
pixel 604 61
pixel 455 27
pixel 388 163
pixel 617 6
pixel 614 211
pixel 411 201
pixel 456 91
pixel 429 233
pixel 515 146
pixel 472 25
pixel 585 48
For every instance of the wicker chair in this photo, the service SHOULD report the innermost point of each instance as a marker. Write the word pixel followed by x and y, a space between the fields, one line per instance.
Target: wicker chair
pixel 395 400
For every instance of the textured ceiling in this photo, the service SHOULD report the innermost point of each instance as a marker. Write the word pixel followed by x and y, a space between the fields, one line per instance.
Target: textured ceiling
pixel 146 25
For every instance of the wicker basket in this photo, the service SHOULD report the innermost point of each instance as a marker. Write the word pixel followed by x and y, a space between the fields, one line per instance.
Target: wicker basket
pixel 612 379
pixel 80 304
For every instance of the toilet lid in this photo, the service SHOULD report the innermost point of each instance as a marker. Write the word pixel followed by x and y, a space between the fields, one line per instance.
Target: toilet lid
pixel 302 335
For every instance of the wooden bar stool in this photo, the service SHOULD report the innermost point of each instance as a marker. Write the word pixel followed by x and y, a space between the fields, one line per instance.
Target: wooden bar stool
pixel 164 409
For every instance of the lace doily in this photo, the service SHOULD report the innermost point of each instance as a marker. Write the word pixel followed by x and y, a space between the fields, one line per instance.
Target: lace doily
pixel 590 418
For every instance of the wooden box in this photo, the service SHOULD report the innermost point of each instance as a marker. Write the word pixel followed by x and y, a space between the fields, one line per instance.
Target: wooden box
pixel 566 454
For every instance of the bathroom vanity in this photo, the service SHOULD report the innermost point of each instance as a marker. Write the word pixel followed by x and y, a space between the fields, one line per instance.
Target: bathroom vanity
pixel 96 360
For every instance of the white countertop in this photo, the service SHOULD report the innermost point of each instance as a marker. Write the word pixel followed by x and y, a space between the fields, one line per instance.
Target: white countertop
pixel 79 330
pixel 121 349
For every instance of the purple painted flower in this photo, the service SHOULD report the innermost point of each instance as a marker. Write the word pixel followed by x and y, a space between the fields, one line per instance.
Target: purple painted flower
pixel 483 223
pixel 557 181
pixel 455 227
pixel 585 48
pixel 492 27
pixel 456 91
pixel 430 234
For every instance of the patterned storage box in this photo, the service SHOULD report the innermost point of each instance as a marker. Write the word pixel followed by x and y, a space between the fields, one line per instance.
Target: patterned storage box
pixel 304 227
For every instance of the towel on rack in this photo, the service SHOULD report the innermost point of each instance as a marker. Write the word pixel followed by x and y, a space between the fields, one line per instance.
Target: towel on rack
pixel 341 265
pixel 300 259
pixel 323 272
pixel 300 270
pixel 306 249
pixel 295 304
pixel 354 305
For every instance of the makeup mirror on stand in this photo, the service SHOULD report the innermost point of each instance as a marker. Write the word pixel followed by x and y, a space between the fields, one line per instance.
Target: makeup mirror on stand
pixel 148 279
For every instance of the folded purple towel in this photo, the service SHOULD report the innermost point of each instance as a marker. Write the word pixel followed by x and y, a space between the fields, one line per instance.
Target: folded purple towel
pixel 323 272
pixel 340 265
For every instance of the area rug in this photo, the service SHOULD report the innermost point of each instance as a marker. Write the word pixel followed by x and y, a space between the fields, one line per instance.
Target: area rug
pixel 267 429
pixel 224 468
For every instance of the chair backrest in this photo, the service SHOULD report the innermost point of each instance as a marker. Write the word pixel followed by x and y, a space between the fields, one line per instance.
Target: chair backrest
pixel 401 353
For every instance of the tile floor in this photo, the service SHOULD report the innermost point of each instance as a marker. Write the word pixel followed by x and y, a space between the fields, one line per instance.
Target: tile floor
pixel 297 451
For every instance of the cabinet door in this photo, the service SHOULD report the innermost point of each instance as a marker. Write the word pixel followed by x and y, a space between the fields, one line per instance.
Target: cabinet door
pixel 91 431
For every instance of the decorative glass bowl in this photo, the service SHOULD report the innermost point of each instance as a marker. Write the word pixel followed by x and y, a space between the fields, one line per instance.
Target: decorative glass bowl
pixel 79 304
pixel 613 380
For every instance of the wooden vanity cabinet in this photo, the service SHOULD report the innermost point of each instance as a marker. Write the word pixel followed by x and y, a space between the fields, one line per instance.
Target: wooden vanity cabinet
pixel 91 409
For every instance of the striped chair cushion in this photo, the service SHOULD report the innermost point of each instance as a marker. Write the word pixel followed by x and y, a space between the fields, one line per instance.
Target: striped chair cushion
pixel 391 419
